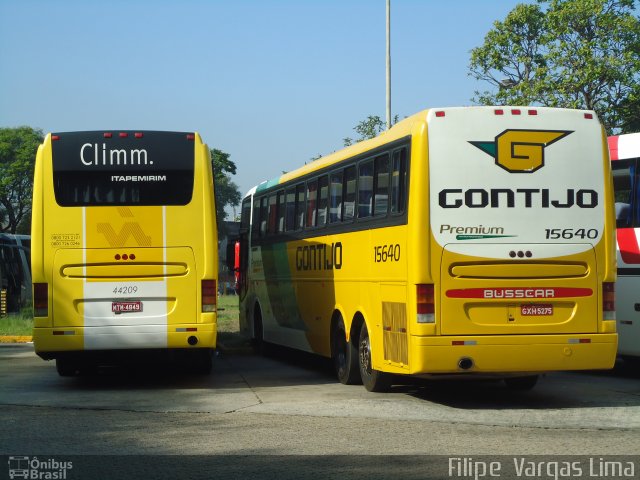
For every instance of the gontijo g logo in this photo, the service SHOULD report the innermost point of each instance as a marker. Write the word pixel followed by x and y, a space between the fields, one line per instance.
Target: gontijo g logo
pixel 521 151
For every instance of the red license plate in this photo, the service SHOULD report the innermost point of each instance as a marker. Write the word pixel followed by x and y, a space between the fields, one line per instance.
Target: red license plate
pixel 536 309
pixel 126 307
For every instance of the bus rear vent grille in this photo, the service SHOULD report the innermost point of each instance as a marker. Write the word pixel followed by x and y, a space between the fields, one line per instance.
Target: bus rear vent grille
pixel 394 323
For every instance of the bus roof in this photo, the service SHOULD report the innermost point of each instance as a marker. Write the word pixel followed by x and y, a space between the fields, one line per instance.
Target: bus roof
pixel 400 130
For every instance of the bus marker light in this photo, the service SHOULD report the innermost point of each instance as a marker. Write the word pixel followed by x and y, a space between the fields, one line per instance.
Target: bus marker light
pixel 608 301
pixel 579 340
pixel 55 137
pixel 125 256
pixel 123 135
pixel 425 303
pixel 191 136
pixel 209 295
pixel 588 116
pixel 499 111
pixel 138 135
pixel 107 135
pixel 440 114
pixel 532 112
pixel 515 111
pixel 40 300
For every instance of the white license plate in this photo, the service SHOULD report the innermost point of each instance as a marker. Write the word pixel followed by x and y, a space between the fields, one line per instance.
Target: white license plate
pixel 126 307
pixel 536 310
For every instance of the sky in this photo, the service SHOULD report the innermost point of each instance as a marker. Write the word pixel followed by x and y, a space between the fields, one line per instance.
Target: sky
pixel 273 83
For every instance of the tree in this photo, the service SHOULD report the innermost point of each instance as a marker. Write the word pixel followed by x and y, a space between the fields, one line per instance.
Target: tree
pixel 368 128
pixel 227 192
pixel 18 148
pixel 571 53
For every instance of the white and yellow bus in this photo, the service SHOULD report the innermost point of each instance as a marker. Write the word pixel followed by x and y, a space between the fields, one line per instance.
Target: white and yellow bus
pixel 124 248
pixel 625 162
pixel 472 240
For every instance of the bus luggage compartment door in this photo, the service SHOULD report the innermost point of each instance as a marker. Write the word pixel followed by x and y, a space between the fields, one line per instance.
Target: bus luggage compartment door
pixel 544 292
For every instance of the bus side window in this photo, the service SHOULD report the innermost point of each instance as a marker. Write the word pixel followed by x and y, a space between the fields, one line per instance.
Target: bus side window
pixel 349 211
pixel 264 216
pixel 299 215
pixel 255 227
pixel 365 189
pixel 381 185
pixel 272 215
pixel 281 211
pixel 323 200
pixel 623 186
pixel 312 195
pixel 335 197
pixel 291 209
pixel 399 180
pixel 245 211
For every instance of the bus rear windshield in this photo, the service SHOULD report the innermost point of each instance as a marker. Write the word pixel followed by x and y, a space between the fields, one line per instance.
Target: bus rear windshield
pixel 122 168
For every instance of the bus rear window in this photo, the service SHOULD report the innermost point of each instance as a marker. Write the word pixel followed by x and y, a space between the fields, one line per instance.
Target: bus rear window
pixel 126 168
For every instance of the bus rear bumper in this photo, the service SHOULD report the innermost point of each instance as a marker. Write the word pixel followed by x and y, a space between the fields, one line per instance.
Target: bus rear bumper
pixel 512 354
pixel 49 343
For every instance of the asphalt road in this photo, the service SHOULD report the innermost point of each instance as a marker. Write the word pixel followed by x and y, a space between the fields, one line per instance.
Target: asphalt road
pixel 252 410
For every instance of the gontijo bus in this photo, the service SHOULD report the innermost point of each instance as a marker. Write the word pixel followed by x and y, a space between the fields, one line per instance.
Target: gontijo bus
pixel 462 241
pixel 124 247
pixel 625 161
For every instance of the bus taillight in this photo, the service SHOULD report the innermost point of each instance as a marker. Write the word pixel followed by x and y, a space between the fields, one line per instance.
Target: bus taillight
pixel 40 300
pixel 609 301
pixel 209 295
pixel 425 302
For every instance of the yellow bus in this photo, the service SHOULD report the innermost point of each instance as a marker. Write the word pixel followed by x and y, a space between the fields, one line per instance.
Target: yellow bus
pixel 124 248
pixel 475 240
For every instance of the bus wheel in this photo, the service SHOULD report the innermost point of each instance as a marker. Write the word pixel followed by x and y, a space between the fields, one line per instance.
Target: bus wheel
pixel 66 367
pixel 521 384
pixel 373 380
pixel 258 342
pixel 344 355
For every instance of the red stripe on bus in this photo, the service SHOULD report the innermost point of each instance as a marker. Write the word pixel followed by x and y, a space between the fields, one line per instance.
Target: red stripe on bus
pixel 519 293
pixel 613 147
pixel 628 244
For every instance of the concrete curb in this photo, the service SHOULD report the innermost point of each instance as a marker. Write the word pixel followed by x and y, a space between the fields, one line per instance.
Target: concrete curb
pixel 15 339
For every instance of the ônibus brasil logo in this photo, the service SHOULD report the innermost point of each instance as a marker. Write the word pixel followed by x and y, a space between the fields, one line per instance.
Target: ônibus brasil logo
pixel 521 151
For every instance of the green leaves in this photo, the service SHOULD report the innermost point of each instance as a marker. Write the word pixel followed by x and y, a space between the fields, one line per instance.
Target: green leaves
pixel 226 191
pixel 564 53
pixel 18 148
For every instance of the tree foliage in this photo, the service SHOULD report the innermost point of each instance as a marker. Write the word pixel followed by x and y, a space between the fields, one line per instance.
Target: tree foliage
pixel 368 128
pixel 565 53
pixel 18 148
pixel 227 193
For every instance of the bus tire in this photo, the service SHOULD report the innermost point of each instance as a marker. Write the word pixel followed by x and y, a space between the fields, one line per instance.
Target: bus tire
pixel 258 343
pixel 521 384
pixel 66 367
pixel 344 355
pixel 373 380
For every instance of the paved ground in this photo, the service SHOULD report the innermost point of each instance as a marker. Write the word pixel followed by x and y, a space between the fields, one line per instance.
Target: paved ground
pixel 254 406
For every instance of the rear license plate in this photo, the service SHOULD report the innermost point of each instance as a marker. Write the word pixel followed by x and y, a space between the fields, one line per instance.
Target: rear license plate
pixel 536 309
pixel 126 307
